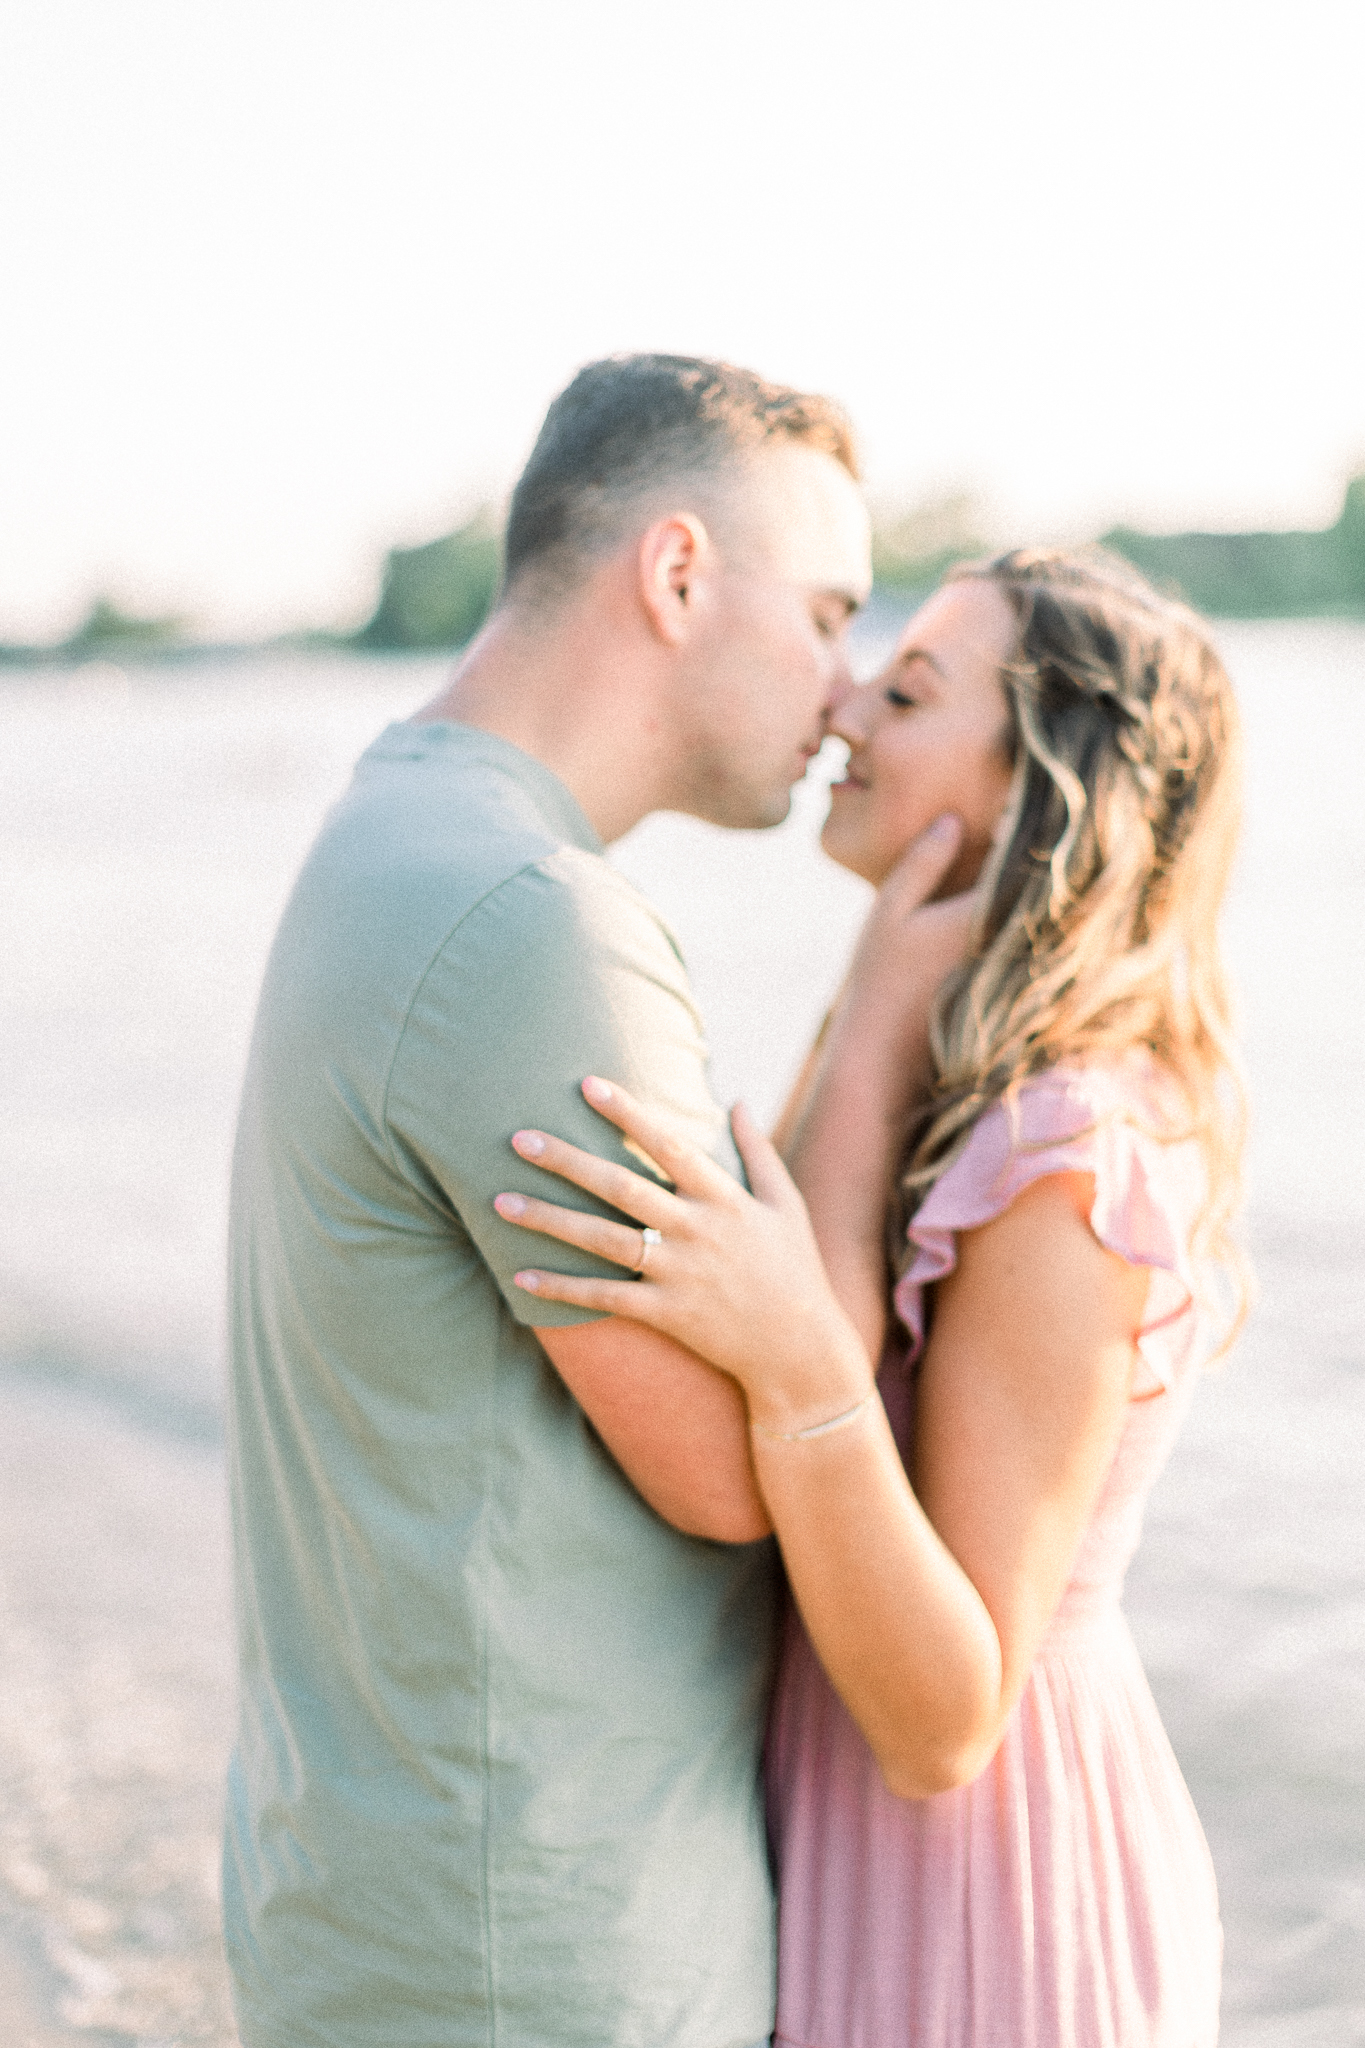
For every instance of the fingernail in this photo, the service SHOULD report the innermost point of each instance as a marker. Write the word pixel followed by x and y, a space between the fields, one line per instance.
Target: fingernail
pixel 945 827
pixel 530 1281
pixel 595 1090
pixel 530 1144
pixel 510 1205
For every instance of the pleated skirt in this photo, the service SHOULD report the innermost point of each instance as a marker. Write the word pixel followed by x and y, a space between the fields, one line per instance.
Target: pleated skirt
pixel 1064 1899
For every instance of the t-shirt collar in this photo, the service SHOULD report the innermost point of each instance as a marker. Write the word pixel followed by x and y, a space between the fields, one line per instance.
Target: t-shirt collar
pixel 406 739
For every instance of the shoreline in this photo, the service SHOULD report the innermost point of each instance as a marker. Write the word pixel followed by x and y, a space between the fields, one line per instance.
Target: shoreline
pixel 891 602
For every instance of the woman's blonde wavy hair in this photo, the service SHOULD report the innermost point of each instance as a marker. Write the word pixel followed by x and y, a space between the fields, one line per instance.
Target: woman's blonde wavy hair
pixel 1099 925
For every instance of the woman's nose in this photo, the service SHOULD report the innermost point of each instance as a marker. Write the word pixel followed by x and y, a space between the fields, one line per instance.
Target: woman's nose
pixel 847 711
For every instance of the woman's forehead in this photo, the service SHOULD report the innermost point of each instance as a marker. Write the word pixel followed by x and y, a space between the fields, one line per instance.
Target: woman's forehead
pixel 966 626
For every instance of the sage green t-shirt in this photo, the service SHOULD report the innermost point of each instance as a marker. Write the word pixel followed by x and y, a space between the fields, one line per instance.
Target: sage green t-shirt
pixel 496 1778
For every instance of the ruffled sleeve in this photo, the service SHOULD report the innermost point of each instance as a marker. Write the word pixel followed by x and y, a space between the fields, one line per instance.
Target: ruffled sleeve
pixel 1148 1195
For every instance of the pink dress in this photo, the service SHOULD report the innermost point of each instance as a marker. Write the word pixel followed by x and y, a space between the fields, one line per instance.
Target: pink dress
pixel 1065 1898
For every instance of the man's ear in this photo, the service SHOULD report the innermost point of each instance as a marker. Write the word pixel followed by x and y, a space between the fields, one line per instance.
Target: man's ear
pixel 675 554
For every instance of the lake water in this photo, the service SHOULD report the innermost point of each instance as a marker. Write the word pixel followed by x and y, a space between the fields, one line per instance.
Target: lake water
pixel 150 825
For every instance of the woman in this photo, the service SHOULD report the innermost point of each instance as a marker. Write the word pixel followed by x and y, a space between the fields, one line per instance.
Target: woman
pixel 982 1835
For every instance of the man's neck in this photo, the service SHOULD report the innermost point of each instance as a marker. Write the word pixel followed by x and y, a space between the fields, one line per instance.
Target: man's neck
pixel 569 694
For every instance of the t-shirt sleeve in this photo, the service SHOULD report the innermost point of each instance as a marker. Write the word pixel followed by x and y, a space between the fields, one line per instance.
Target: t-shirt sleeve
pixel 560 972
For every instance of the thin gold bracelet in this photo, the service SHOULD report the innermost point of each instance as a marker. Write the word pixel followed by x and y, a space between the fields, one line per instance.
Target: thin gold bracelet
pixel 802 1436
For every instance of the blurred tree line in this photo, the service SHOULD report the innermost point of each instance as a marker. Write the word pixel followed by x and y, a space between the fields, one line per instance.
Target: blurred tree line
pixel 438 595
pixel 106 631
pixel 1260 575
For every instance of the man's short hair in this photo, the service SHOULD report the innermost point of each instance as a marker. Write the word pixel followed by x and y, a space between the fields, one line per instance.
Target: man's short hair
pixel 627 425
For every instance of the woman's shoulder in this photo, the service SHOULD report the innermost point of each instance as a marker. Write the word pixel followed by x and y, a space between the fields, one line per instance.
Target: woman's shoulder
pixel 1120 1120
pixel 1069 1101
pixel 1110 1117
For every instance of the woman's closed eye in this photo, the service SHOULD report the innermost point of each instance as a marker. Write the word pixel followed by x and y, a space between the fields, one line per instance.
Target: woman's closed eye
pixel 899 699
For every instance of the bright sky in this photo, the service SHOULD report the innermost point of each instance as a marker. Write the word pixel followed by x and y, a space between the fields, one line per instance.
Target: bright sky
pixel 284 283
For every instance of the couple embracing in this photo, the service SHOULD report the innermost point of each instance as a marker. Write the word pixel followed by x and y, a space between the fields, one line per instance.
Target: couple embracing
pixel 678 1573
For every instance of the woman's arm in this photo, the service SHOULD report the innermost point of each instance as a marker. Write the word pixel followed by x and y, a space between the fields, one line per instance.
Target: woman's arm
pixel 927 1606
pixel 926 1612
pixel 843 1132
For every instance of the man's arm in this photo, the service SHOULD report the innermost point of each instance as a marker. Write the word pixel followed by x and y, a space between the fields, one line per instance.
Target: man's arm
pixel 561 972
pixel 678 1429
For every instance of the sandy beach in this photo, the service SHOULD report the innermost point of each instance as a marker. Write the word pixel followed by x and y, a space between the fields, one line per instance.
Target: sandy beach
pixel 115 1717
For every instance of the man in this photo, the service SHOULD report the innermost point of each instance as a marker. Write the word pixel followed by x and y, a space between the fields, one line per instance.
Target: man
pixel 505 1623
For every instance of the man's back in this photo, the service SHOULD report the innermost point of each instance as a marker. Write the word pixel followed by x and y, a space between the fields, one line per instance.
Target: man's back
pixel 496 1776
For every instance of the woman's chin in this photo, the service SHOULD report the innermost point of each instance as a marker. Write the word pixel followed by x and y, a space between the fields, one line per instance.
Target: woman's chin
pixel 845 854
pixel 845 851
